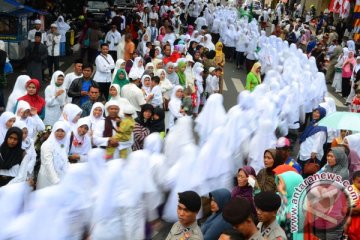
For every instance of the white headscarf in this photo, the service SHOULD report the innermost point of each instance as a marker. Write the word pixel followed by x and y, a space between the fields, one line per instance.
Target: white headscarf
pixel 62 27
pixel 25 142
pixel 60 148
pixel 146 89
pixel 93 120
pixel 19 90
pixel 21 107
pixel 85 140
pixel 117 67
pixel 111 103
pixel 135 69
pixel 212 116
pixel 62 98
pixel 69 113
pixel 208 42
pixel 5 116
pixel 122 102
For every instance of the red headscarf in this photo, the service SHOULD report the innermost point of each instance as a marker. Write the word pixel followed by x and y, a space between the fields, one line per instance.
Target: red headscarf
pixel 34 100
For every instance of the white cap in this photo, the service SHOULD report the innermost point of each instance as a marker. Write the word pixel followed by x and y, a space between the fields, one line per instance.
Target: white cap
pixel 211 69
pixel 53 25
pixel 156 43
pixel 128 109
pixel 37 21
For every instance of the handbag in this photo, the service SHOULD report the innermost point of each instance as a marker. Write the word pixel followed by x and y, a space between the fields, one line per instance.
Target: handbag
pixel 311 166
pixel 8 68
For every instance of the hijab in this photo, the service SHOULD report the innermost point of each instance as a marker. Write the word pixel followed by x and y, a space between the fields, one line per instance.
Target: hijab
pixel 19 90
pixel 146 89
pixel 60 148
pixel 341 166
pixel 158 125
pixel 34 100
pixel 108 129
pixel 93 120
pixel 245 191
pixel 208 43
pixel 219 49
pixel 313 128
pixel 121 81
pixel 117 97
pixel 69 113
pixel 253 70
pixel 140 119
pixel 5 116
pixel 135 69
pixel 156 61
pixel 117 67
pixel 11 156
pixel 173 77
pixel 54 87
pixel 181 74
pixel 26 143
pixel 78 140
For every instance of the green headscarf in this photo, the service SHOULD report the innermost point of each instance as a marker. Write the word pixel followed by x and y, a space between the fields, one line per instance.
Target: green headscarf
pixel 291 180
pixel 181 74
pixel 121 82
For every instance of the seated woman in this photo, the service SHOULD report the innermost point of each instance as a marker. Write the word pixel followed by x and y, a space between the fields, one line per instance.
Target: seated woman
pixel 254 77
pixel 265 179
pixel 142 126
pixel 215 224
pixel 32 97
pixel 80 142
pixel 55 95
pixel 175 105
pixel 26 170
pixel 11 155
pixel 29 116
pixel 54 156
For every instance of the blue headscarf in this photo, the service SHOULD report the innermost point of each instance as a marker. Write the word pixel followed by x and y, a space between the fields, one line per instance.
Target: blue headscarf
pixel 313 128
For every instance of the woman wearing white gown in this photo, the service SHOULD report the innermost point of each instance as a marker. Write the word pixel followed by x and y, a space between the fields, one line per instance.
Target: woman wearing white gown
pixel 54 156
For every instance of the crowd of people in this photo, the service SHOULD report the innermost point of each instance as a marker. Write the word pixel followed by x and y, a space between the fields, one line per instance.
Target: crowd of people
pixel 110 152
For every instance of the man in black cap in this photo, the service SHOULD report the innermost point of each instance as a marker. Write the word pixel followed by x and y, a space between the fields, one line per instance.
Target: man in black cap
pixel 186 228
pixel 238 213
pixel 267 205
pixel 36 54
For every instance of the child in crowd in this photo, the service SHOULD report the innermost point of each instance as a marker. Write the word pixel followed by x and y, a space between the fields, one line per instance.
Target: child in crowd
pixel 124 132
pixel 212 81
pixel 355 104
pixel 187 105
pixel 353 223
pixel 157 98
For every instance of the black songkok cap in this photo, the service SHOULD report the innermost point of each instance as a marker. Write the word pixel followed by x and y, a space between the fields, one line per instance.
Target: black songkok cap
pixel 237 210
pixel 267 201
pixel 191 200
pixel 38 34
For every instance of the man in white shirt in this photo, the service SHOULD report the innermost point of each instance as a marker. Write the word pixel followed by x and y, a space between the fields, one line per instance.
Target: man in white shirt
pixel 153 14
pixel 145 17
pixel 53 45
pixel 133 93
pixel 152 30
pixel 70 77
pixel 113 38
pixel 104 64
pixel 31 34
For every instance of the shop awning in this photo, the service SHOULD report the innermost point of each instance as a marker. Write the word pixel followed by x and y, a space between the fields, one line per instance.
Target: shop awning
pixel 14 8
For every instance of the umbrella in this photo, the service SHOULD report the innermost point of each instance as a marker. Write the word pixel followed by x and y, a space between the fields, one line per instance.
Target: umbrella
pixel 342 120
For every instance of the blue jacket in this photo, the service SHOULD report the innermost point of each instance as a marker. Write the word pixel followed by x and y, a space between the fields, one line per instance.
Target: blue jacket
pixel 215 224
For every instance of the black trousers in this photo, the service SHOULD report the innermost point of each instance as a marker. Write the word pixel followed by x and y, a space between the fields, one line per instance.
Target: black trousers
pixel 346 87
pixel 92 54
pixel 53 64
pixel 240 59
pixel 104 89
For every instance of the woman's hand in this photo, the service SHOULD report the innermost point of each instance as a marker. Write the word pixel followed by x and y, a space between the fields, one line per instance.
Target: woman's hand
pixel 59 92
